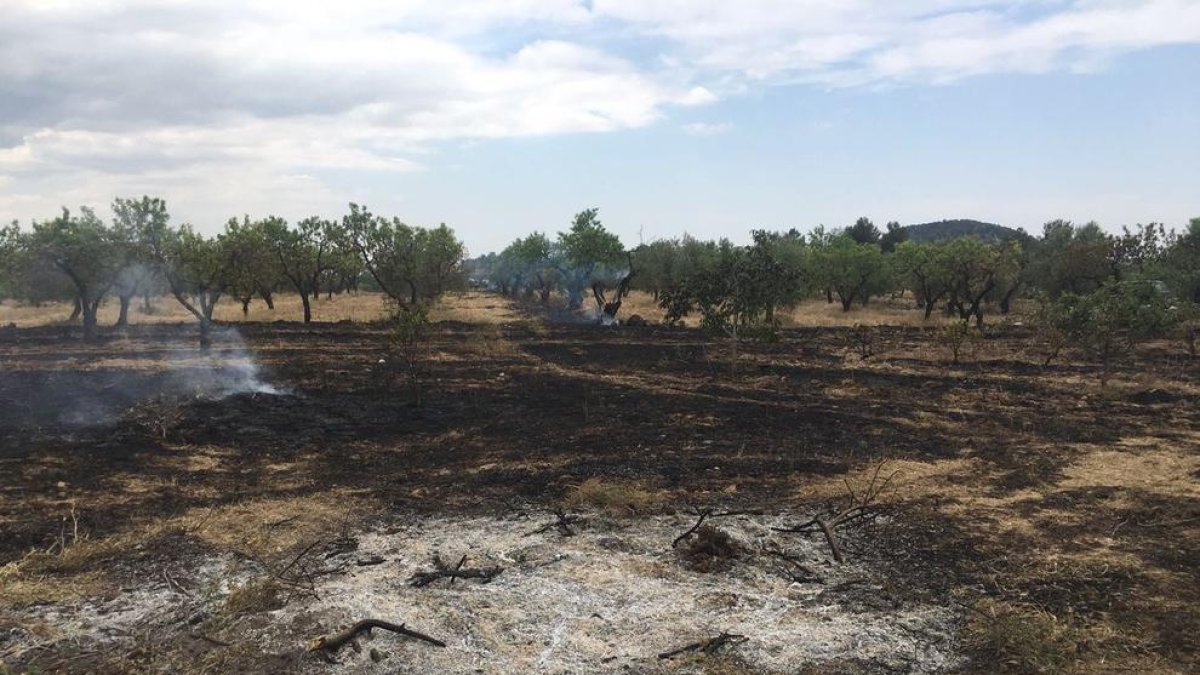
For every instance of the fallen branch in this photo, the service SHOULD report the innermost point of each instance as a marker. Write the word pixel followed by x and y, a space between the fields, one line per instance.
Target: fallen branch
pixel 332 644
pixel 798 572
pixel 443 571
pixel 709 646
pixel 563 521
pixel 709 513
pixel 861 507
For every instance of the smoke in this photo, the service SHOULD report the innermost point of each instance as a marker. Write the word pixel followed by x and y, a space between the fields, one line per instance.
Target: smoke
pixel 104 385
pixel 227 369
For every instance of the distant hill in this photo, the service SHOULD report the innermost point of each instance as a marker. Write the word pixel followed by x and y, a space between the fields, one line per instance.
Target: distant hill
pixel 953 229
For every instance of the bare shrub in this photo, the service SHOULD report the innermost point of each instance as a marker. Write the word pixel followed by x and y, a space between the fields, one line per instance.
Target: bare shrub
pixel 710 550
pixel 956 336
pixel 407 346
pixel 861 339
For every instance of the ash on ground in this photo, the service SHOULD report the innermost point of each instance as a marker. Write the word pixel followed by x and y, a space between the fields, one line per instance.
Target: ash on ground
pixel 610 598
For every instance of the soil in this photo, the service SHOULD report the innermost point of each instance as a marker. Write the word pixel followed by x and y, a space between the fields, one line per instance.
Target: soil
pixel 1016 483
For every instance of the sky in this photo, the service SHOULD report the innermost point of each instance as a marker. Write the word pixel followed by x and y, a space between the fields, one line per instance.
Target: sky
pixel 500 117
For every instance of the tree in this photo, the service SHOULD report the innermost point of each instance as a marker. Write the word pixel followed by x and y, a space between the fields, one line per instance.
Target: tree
pixel 726 289
pixel 141 224
pixel 1110 321
pixel 1070 258
pixel 895 235
pixel 409 264
pixel 1181 264
pixel 588 252
pixel 89 253
pixel 302 254
pixel 850 270
pixel 923 269
pixel 10 250
pixel 975 270
pixel 526 265
pixel 253 268
pixel 198 272
pixel 863 231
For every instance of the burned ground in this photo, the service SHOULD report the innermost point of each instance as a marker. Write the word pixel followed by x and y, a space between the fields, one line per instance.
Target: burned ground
pixel 1020 488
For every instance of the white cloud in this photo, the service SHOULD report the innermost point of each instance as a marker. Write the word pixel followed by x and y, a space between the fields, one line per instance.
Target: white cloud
pixel 180 95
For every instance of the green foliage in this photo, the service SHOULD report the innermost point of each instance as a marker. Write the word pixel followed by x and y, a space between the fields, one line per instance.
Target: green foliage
pixel 731 291
pixel 1070 258
pixel 863 231
pixel 1109 322
pixel 924 269
pixel 1180 267
pixel 975 270
pixel 408 344
pixel 86 251
pixel 852 271
pixel 589 253
pixel 410 264
pixel 893 237
pixel 253 268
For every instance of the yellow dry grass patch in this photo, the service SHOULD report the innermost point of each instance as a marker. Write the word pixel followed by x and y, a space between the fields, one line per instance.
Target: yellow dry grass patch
pixel 358 307
pixel 267 528
pixel 476 307
pixel 614 497
pixel 1164 471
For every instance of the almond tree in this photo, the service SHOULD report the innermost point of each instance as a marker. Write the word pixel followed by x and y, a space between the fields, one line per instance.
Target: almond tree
pixel 141 223
pixel 86 251
pixel 198 272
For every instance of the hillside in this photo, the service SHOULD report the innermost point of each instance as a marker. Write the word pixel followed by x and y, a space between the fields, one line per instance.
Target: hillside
pixel 952 229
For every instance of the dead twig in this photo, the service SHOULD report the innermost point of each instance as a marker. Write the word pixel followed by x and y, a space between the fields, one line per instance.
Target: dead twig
pixel 444 571
pixel 563 521
pixel 710 513
pixel 335 642
pixel 860 507
pixel 709 646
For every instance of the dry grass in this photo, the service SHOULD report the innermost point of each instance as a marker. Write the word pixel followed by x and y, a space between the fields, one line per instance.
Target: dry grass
pixel 616 498
pixel 816 312
pixel 470 307
pixel 358 307
pixel 253 597
pixel 476 307
pixel 1020 639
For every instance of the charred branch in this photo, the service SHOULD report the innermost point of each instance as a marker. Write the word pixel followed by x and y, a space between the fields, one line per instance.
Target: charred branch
pixel 333 643
pixel 705 515
pixel 710 646
pixel 861 508
pixel 562 521
pixel 444 571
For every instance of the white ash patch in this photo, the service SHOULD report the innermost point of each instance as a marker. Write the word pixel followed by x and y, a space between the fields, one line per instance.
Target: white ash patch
pixel 608 599
pixel 163 598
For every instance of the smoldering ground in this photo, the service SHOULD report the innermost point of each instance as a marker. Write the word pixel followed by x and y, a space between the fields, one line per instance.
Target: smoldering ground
pixel 66 387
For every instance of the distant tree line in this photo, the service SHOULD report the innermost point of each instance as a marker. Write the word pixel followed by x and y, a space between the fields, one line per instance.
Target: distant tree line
pixel 78 257
pixel 735 288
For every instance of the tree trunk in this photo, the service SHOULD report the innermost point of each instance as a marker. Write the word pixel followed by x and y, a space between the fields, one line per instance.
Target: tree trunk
pixel 268 298
pixel 307 307
pixel 246 307
pixel 146 306
pixel 123 317
pixel 205 333
pixel 76 311
pixel 829 295
pixel 846 301
pixel 89 320
pixel 1006 301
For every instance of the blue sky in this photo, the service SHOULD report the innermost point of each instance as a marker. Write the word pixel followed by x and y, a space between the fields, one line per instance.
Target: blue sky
pixel 708 117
